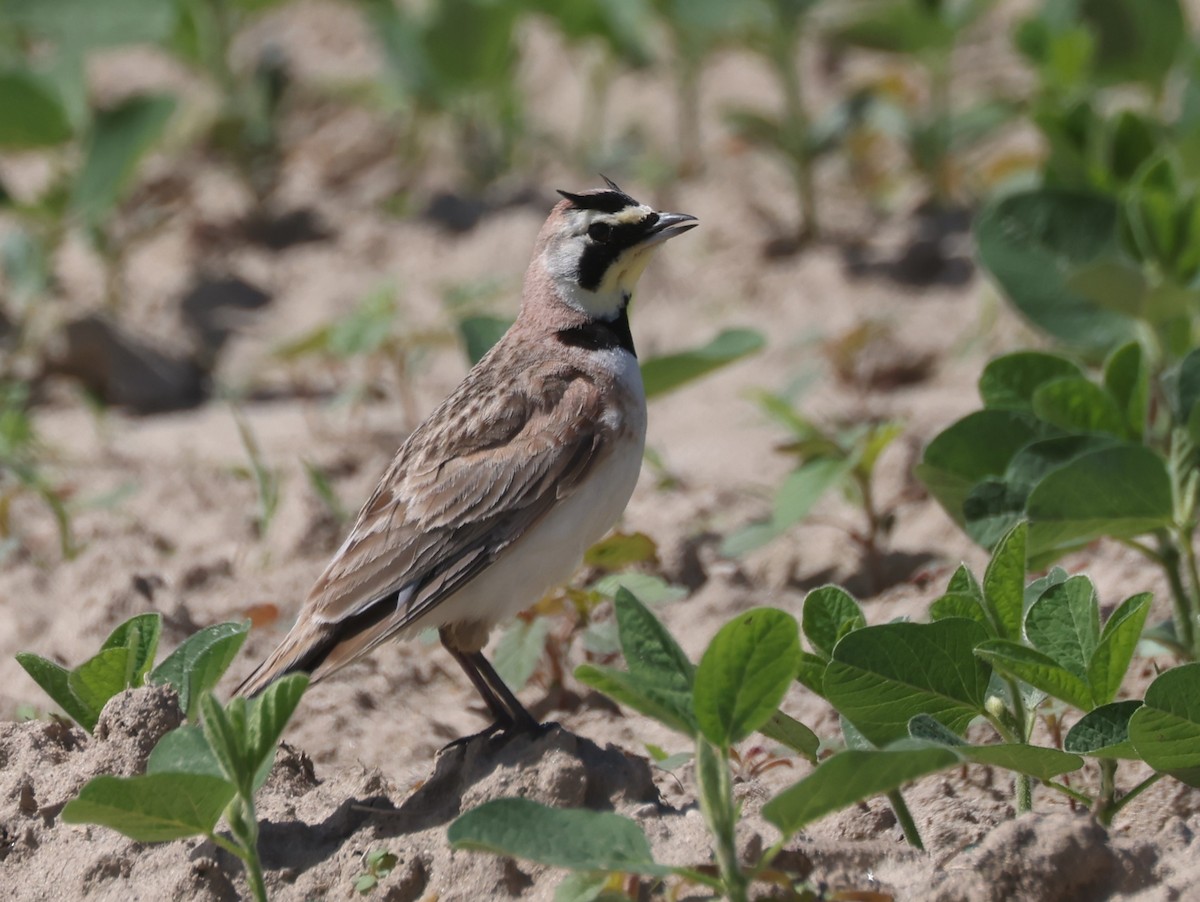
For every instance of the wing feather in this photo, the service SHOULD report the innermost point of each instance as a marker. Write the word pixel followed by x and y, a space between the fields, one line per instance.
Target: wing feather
pixel 466 484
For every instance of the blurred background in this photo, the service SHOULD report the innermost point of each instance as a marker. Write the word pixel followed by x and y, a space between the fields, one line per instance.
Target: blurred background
pixel 246 245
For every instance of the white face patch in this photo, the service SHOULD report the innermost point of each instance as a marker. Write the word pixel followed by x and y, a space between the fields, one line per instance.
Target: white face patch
pixel 563 254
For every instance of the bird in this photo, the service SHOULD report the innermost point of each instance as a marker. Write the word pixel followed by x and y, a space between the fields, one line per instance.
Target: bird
pixel 495 497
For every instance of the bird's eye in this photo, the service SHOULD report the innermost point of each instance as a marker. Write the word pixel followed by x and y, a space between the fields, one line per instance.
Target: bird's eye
pixel 600 231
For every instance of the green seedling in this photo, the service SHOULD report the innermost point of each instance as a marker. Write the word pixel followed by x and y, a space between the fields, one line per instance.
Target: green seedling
pixel 377 863
pixel 197 776
pixel 844 460
pixel 21 470
pixel 735 691
pixel 125 661
pixel 697 31
pixel 266 478
pixel 925 35
pixel 1006 652
pixel 447 78
pixel 95 152
pixel 361 347
pixel 790 133
pixel 1081 459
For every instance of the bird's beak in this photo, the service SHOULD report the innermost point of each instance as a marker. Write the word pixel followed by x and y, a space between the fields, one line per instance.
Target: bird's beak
pixel 668 226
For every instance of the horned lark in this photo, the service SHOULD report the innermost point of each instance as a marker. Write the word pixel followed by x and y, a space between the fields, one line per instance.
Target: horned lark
pixel 496 496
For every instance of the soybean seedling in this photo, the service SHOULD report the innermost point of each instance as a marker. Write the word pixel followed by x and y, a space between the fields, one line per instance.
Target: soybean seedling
pixel 827 460
pixel 195 775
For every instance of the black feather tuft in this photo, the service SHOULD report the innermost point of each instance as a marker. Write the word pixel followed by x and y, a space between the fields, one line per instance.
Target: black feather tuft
pixel 603 200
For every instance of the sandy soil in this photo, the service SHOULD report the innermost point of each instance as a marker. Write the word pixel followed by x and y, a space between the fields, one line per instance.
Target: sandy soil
pixel 362 769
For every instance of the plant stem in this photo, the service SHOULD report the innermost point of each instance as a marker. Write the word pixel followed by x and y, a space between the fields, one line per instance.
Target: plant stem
pixel 1193 608
pixel 243 824
pixel 1075 794
pixel 939 102
pixel 905 818
pixel 716 801
pixel 783 56
pixel 1106 817
pixel 1170 556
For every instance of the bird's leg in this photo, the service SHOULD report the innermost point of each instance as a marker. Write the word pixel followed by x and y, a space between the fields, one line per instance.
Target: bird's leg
pixel 508 711
pixel 520 720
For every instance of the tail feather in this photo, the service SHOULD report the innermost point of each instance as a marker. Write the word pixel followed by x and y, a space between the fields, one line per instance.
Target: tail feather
pixel 320 649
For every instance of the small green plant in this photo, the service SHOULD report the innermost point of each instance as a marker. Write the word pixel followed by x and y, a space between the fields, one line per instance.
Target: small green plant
pixel 377 864
pixel 125 661
pixel 359 348
pixel 790 133
pixel 923 34
pixel 734 692
pixel 196 774
pixel 995 651
pixel 827 459
pixel 21 470
pixel 456 80
pixel 266 479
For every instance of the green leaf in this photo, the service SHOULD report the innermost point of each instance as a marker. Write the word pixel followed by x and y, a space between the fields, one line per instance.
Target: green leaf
pixel 744 674
pixel 791 733
pixel 646 587
pixel 1135 41
pixel 957 604
pixel 850 777
pixel 577 839
pixel 1037 669
pixel 225 730
pixel 184 750
pixel 1127 378
pixel 881 676
pixel 663 374
pixel 118 139
pixel 519 651
pixel 811 673
pixel 1008 382
pixel 74 24
pixel 1064 623
pixel 1183 386
pixel 1032 242
pixel 651 653
pixel 199 662
pixel 750 538
pixel 268 714
pixel 152 808
pixel 978 446
pixel 1104 732
pixel 1110 660
pixel 140 636
pixel 621 550
pixel 479 333
pixel 98 679
pixel 1075 404
pixel 1042 763
pixel 55 682
pixel 804 487
pixel 1165 731
pixel 34 115
pixel 672 709
pixel 1121 492
pixel 1004 583
pixel 830 612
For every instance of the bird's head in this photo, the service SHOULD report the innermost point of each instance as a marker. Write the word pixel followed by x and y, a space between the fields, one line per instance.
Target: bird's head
pixel 596 244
